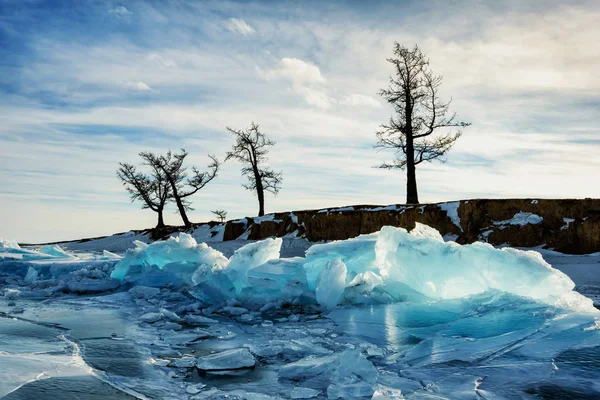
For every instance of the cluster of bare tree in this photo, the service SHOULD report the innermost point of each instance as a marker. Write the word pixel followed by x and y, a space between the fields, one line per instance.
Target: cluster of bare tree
pixel 413 93
pixel 170 180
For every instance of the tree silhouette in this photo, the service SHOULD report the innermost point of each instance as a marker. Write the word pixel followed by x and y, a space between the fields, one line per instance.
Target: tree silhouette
pixel 153 191
pixel 220 214
pixel 182 186
pixel 251 148
pixel 413 93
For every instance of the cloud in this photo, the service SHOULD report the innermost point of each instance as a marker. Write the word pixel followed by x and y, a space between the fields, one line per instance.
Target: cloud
pixel 305 79
pixel 360 100
pixel 240 26
pixel 298 71
pixel 119 11
pixel 139 85
pixel 525 77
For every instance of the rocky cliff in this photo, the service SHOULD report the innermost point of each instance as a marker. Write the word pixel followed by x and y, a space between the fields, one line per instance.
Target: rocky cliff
pixel 569 226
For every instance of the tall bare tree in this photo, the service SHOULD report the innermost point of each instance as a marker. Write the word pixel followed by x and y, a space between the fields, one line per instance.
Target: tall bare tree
pixel 152 190
pixel 413 93
pixel 251 148
pixel 182 186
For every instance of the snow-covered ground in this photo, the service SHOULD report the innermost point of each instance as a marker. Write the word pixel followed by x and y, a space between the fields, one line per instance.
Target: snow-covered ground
pixel 385 316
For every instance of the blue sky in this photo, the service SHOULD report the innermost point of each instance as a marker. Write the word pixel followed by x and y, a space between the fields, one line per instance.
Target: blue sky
pixel 86 84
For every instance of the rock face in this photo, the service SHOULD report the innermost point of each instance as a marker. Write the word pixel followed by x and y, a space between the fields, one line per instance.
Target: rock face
pixel 569 225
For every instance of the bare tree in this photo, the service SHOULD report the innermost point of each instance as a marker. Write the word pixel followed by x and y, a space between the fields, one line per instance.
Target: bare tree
pixel 251 148
pixel 153 191
pixel 420 113
pixel 220 214
pixel 182 186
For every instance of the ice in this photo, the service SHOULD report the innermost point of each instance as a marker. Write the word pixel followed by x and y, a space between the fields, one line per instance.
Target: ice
pixel 357 253
pixel 277 279
pixel 250 256
pixel 55 251
pixel 448 270
pixel 331 283
pixel 345 375
pixel 304 393
pixel 179 256
pixel 199 320
pixel 227 360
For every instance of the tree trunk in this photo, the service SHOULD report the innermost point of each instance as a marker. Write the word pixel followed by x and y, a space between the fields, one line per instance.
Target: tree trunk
pixel 411 178
pixel 182 212
pixel 412 196
pixel 161 222
pixel 260 192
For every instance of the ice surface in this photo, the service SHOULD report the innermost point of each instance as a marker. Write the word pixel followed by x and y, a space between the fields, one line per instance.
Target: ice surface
pixel 250 256
pixel 331 283
pixel 344 375
pixel 55 250
pixel 386 266
pixel 226 360
pixel 462 321
pixel 180 256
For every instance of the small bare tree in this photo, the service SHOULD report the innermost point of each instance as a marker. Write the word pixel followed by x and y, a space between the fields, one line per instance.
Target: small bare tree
pixel 413 93
pixel 220 214
pixel 153 191
pixel 182 186
pixel 251 148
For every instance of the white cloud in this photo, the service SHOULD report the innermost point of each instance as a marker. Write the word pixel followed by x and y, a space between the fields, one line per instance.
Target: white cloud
pixel 298 71
pixel 139 85
pixel 305 78
pixel 360 100
pixel 314 97
pixel 119 11
pixel 240 26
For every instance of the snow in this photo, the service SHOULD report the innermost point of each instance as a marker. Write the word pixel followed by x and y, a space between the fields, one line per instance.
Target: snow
pixel 451 209
pixel 332 210
pixel 392 207
pixel 568 222
pixel 521 218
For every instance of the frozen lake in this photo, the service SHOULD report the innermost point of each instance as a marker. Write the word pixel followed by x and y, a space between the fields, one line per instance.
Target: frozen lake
pixel 162 343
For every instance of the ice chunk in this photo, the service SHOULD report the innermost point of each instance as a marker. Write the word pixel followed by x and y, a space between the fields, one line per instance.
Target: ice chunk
pixel 182 252
pixel 331 283
pixel 213 288
pixel 144 292
pixel 226 360
pixel 304 393
pixel 250 256
pixel 308 367
pixel 32 275
pixel 151 317
pixel 357 253
pixel 448 270
pixel 347 375
pixel 55 251
pixel 184 362
pixel 276 279
pixel 199 320
pixel 87 285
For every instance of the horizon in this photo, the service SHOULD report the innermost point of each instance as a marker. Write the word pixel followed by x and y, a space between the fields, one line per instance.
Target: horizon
pixel 88 85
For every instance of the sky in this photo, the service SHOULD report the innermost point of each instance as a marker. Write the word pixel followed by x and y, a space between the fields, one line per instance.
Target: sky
pixel 85 85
